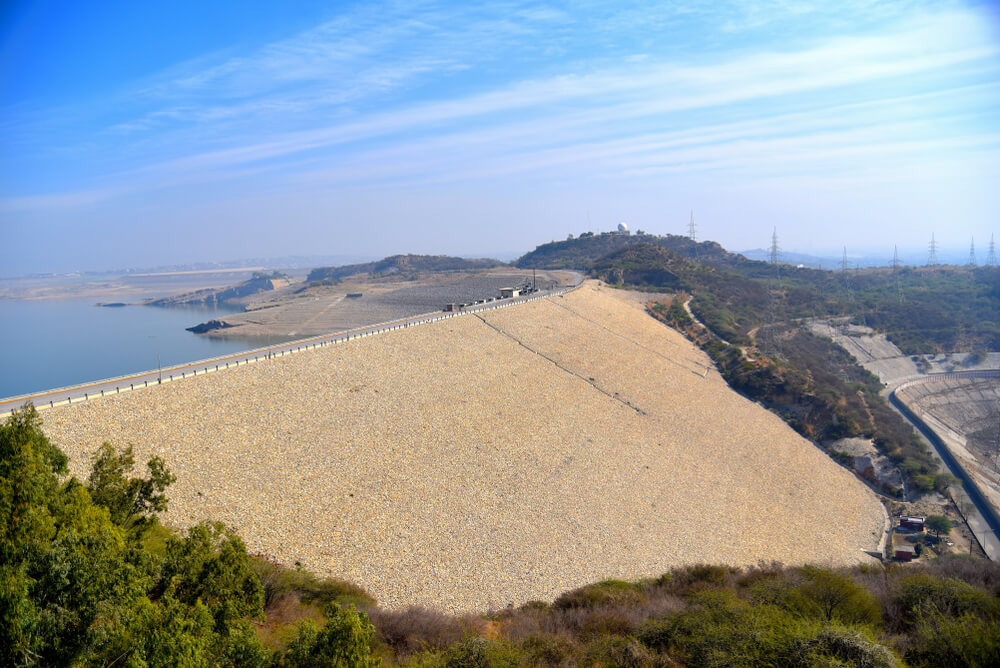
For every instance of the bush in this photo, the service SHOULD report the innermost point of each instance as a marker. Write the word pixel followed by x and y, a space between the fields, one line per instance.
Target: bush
pixel 602 593
pixel 416 629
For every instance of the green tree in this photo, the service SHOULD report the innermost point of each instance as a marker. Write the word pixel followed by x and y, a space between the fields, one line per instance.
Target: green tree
pixel 939 524
pixel 343 642
pixel 63 563
pixel 211 565
pixel 132 502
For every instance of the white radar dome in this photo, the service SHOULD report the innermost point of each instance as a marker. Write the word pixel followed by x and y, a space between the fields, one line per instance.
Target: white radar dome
pixel 622 227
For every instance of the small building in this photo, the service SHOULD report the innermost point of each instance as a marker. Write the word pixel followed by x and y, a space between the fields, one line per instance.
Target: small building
pixel 507 293
pixel 449 307
pixel 912 522
pixel 904 552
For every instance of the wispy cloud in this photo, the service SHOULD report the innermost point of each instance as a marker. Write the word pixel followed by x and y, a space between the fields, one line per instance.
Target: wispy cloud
pixel 417 92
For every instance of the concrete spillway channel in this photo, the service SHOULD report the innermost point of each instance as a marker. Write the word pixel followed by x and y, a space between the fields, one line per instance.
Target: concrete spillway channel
pixel 984 521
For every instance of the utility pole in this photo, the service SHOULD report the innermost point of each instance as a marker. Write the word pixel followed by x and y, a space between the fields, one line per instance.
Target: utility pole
pixel 932 258
pixel 895 272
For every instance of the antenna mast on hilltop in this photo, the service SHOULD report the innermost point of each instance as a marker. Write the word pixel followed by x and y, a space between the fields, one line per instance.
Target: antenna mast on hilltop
pixel 692 230
pixel 972 253
pixel 932 258
pixel 991 257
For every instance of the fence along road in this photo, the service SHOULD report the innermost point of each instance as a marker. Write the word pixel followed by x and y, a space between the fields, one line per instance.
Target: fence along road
pixel 101 388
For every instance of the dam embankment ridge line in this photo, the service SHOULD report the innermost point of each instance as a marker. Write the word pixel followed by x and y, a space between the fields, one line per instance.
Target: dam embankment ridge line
pixel 99 388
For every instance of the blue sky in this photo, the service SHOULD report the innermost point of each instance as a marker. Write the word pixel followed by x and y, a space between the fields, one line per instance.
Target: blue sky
pixel 143 133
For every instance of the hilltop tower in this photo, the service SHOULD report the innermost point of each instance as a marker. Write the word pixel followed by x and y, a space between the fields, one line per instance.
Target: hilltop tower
pixel 932 258
pixel 991 256
pixel 692 231
pixel 972 253
pixel 844 264
pixel 775 250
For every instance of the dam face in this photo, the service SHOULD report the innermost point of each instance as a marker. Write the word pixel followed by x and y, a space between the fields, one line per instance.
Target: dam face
pixel 490 459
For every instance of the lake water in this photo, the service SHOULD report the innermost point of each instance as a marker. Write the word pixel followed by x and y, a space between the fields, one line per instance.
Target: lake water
pixel 45 344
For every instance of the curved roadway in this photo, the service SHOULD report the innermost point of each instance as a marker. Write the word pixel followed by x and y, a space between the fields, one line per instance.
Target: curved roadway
pixel 984 521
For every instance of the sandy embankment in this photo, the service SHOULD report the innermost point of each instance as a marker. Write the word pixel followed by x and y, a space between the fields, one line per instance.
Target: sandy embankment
pixel 474 463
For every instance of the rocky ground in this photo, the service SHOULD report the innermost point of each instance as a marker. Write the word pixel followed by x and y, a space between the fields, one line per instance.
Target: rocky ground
pixel 479 462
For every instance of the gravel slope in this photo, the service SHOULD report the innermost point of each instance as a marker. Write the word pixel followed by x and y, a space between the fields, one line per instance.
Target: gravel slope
pixel 479 462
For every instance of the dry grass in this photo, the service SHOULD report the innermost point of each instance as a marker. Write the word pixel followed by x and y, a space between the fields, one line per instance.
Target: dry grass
pixel 450 466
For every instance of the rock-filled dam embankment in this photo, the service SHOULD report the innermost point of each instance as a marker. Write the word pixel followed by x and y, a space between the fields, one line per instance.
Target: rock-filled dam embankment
pixel 490 459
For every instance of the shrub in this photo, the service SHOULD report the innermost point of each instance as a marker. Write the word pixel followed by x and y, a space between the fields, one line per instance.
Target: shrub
pixel 415 629
pixel 602 593
pixel 920 594
pixel 941 641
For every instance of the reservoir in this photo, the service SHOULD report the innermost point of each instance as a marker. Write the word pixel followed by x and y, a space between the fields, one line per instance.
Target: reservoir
pixel 50 343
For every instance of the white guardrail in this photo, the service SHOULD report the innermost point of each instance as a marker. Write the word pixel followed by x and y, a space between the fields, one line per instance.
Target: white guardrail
pixel 145 379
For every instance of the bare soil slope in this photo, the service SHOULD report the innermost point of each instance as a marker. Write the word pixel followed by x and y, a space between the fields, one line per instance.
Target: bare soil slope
pixel 482 461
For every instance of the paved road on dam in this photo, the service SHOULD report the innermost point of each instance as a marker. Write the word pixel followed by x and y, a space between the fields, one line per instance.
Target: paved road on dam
pixel 100 388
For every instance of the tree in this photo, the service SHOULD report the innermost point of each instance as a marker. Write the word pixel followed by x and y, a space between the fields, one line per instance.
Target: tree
pixel 344 642
pixel 132 502
pixel 939 524
pixel 63 563
pixel 833 597
pixel 211 565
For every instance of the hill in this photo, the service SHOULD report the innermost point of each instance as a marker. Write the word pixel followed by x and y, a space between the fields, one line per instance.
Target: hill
pixel 402 265
pixel 491 459
pixel 580 253
pixel 259 283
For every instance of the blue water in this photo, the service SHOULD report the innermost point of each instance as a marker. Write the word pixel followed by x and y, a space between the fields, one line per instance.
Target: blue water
pixel 46 344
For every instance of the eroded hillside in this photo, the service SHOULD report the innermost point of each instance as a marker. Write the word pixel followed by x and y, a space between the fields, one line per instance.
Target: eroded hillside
pixel 487 460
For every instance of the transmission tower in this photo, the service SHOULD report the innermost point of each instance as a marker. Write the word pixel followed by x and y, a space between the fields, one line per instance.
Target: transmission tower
pixel 932 258
pixel 844 264
pixel 692 230
pixel 775 250
pixel 972 253
pixel 895 271
pixel 991 256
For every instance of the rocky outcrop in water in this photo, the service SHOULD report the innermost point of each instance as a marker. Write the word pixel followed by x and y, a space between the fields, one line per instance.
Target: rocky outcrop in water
pixel 209 326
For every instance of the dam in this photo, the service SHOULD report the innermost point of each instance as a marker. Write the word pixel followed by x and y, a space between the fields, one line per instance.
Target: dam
pixel 490 459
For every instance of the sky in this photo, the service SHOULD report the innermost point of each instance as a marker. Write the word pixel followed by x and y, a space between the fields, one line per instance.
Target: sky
pixel 138 134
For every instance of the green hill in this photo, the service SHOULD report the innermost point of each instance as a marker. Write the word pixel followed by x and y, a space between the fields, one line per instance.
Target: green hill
pixel 403 265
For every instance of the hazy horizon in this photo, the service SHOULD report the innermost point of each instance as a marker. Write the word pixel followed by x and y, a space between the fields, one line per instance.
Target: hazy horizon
pixel 137 135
